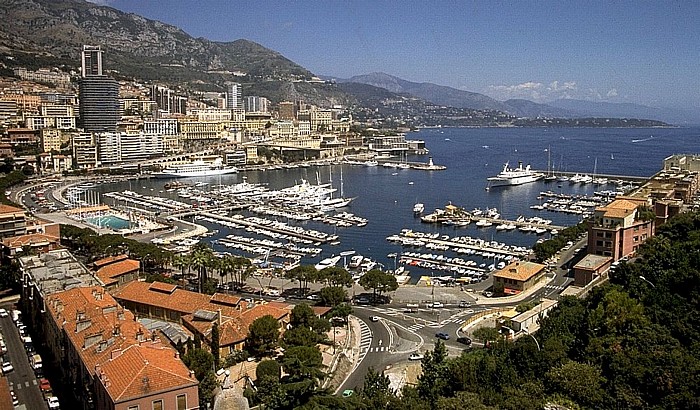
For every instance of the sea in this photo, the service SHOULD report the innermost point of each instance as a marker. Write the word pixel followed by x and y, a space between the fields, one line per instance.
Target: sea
pixel 386 196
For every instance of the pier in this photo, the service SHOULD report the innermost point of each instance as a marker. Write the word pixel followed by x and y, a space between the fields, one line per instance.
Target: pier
pixel 630 178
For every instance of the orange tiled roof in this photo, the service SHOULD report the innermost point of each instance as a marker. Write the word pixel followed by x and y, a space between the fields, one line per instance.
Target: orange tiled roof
pixel 109 259
pixel 108 274
pixel 7 209
pixel 142 369
pixel 521 271
pixel 619 208
pixel 29 239
pixel 171 297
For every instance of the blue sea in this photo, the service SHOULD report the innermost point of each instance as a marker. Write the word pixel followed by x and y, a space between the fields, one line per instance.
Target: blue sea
pixel 385 196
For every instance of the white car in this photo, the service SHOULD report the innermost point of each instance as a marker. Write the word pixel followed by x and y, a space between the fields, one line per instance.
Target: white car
pixel 3 313
pixel 438 305
pixel 7 367
pixel 53 402
pixel 415 356
pixel 374 318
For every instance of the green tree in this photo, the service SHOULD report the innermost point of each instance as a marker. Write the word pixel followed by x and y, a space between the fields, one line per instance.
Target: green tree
pixel 207 385
pixel 201 259
pixel 582 382
pixel 378 281
pixel 215 341
pixel 376 393
pixel 303 362
pixel 268 368
pixel 303 274
pixel 263 335
pixel 200 361
pixel 336 276
pixel 342 310
pixel 300 336
pixel 487 334
pixel 432 383
pixel 332 296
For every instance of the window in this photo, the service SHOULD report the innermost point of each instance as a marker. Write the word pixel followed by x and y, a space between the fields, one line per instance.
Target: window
pixel 157 405
pixel 133 407
pixel 182 402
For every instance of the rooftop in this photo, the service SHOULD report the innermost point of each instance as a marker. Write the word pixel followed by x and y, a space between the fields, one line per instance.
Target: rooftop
pixel 108 274
pixel 520 270
pixel 56 271
pixel 592 262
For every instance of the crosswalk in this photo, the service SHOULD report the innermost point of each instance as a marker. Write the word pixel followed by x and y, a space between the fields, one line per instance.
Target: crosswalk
pixel 365 339
pixel 377 349
pixel 416 327
pixel 553 287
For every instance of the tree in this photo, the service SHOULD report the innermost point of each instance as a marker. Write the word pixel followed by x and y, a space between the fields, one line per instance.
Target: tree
pixel 487 334
pixel 342 310
pixel 303 274
pixel 263 335
pixel 376 392
pixel 332 296
pixel 215 340
pixel 201 259
pixel 433 382
pixel 581 382
pixel 268 368
pixel 198 360
pixel 378 281
pixel 336 276
pixel 300 336
pixel 303 362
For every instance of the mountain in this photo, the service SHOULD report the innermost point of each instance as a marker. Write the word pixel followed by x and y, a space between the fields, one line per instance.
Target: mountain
pixel 527 108
pixel 436 94
pixel 51 33
pixel 626 110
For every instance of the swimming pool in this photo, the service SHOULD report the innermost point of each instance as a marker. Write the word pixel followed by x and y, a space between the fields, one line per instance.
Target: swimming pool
pixel 109 221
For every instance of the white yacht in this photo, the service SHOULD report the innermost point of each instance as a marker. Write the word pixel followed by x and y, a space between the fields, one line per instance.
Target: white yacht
pixel 196 168
pixel 515 176
pixel 328 262
pixel 418 208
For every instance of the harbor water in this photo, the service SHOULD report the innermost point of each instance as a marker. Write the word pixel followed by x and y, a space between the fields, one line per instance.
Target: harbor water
pixel 386 196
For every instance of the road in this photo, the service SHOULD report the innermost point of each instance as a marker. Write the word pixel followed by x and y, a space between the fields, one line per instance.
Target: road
pixel 21 380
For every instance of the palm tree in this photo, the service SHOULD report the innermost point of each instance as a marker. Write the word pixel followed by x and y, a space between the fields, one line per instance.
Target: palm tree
pixel 200 259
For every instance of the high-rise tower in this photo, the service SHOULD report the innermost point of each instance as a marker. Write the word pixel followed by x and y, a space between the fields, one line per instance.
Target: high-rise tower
pixel 98 93
pixel 234 99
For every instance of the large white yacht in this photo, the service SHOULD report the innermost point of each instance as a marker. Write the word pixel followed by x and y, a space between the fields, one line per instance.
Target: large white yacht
pixel 515 176
pixel 196 168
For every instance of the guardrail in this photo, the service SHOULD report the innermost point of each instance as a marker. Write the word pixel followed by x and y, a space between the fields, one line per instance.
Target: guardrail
pixel 469 321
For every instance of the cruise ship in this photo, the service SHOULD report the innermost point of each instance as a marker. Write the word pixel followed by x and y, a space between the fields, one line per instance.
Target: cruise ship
pixel 515 176
pixel 196 168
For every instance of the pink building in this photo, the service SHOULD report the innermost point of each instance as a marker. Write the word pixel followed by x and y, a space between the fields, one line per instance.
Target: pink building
pixel 618 228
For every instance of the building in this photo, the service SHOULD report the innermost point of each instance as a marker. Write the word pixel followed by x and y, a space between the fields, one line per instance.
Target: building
pixel 116 271
pixel 13 221
pixel 529 321
pixel 287 111
pixel 197 312
pixel 619 228
pixel 91 62
pixel 589 268
pixel 50 139
pixel 256 104
pixel 84 150
pixel 106 358
pixel 519 276
pixel 22 136
pixel 168 101
pixel 161 126
pixel 99 103
pixel 116 148
pixel 234 99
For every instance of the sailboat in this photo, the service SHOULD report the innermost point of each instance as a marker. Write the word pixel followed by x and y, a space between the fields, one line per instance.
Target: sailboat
pixel 550 175
pixel 612 156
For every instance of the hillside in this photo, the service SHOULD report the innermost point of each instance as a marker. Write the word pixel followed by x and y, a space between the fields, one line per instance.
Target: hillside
pixel 46 33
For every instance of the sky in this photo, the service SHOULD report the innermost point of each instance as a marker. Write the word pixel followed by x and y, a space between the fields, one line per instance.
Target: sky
pixel 644 52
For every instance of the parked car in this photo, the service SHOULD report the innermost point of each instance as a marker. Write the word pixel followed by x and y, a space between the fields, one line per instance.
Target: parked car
pixel 374 318
pixel 348 393
pixel 464 340
pixel 363 301
pixel 442 335
pixel 7 367
pixel 15 401
pixel 415 356
pixel 3 313
pixel 437 305
pixel 464 304
pixel 53 403
pixel 313 297
pixel 44 385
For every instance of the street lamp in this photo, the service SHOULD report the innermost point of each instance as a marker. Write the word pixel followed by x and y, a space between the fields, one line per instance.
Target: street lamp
pixel 647 281
pixel 533 338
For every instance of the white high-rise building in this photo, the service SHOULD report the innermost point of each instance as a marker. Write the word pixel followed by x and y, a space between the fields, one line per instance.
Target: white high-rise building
pixel 234 96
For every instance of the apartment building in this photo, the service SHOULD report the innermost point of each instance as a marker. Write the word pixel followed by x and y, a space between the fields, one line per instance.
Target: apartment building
pixel 106 358
pixel 84 150
pixel 619 228
pixel 116 148
pixel 13 221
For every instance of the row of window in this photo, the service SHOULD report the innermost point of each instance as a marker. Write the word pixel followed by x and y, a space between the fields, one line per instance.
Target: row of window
pixel 181 403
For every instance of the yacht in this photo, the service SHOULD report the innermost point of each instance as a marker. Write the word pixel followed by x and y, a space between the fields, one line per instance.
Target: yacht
pixel 418 208
pixel 196 168
pixel 327 263
pixel 515 176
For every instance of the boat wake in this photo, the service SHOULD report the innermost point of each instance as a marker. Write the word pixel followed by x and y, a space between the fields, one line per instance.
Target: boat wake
pixel 643 139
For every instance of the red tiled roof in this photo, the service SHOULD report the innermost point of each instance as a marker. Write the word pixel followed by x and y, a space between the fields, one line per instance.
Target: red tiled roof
pixel 142 369
pixel 521 271
pixel 109 259
pixel 7 209
pixel 160 295
pixel 108 274
pixel 29 239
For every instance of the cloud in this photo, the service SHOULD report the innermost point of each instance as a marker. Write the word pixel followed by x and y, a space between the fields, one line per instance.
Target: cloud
pixel 555 90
